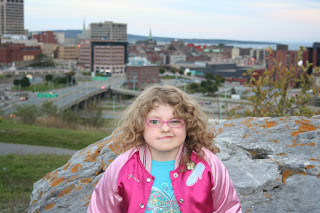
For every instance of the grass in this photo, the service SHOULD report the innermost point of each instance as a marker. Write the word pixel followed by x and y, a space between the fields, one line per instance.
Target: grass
pixel 11 132
pixel 19 172
pixel 172 77
pixel 40 87
pixel 111 104
pixel 17 175
pixel 117 108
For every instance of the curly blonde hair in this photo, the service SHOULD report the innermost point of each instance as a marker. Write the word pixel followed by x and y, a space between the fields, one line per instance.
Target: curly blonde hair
pixel 185 107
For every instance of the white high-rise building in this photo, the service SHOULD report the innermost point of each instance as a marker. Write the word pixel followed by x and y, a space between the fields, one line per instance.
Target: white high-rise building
pixel 12 17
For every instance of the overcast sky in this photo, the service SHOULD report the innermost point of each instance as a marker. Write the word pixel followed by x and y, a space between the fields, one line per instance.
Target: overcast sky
pixel 255 20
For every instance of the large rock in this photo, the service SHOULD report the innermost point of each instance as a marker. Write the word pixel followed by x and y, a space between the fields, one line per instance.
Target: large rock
pixel 274 164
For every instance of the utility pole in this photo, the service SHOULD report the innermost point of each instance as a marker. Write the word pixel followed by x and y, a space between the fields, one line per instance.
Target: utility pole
pixel 134 82
pixel 34 85
pixel 53 82
pixel 218 108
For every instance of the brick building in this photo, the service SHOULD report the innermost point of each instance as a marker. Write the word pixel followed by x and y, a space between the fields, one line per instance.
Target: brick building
pixel 45 37
pixel 244 51
pixel 282 54
pixel 10 52
pixel 197 58
pixel 141 76
pixel 227 53
pixel 155 58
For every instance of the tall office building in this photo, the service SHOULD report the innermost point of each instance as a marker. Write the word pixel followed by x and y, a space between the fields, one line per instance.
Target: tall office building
pixel 108 31
pixel 313 56
pixel 106 57
pixel 12 17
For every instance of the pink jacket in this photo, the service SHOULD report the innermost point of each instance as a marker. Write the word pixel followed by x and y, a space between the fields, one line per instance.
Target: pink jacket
pixel 126 185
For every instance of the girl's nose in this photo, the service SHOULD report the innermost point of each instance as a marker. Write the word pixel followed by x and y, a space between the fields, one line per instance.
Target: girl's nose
pixel 165 127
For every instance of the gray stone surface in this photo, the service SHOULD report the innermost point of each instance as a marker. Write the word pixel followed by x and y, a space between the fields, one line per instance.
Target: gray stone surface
pixel 274 164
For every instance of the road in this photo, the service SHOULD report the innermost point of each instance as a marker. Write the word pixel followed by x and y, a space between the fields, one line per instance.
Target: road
pixel 65 95
pixel 8 148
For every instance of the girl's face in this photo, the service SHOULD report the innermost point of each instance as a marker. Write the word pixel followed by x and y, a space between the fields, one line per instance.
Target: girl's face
pixel 164 142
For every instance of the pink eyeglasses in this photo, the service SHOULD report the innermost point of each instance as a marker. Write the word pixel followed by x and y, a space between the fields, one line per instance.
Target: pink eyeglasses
pixel 157 123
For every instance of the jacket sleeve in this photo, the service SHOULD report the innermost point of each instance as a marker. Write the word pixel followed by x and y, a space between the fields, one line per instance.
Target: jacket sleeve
pixel 224 194
pixel 104 198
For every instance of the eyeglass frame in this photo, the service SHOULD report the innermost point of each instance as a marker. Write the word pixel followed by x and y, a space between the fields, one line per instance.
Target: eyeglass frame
pixel 163 122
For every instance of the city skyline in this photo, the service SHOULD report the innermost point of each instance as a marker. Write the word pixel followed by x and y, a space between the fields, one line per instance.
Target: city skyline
pixel 276 21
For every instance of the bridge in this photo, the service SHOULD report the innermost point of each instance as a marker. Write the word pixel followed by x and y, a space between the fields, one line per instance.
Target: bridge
pixel 78 97
pixel 81 101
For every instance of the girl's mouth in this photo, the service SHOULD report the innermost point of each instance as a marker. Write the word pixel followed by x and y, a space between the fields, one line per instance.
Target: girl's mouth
pixel 166 137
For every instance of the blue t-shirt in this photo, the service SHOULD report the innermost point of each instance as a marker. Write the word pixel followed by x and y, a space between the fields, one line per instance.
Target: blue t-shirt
pixel 162 197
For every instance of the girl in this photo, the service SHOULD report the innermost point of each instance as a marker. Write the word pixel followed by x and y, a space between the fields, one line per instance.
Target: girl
pixel 171 164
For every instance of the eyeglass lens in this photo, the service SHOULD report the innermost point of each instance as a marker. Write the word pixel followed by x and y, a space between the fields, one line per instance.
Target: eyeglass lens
pixel 159 123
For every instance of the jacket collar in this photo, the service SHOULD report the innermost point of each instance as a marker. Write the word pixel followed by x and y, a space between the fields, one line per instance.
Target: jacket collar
pixel 146 160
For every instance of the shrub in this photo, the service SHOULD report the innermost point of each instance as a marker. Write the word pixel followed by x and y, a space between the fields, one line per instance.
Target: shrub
pixel 272 90
pixel 94 116
pixel 27 113
pixel 71 117
pixel 162 70
pixel 49 109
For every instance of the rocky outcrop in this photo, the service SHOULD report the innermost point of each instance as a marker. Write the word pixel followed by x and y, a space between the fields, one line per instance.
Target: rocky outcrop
pixel 274 164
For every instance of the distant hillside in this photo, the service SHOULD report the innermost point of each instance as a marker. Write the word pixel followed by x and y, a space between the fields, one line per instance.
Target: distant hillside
pixel 196 41
pixel 134 38
pixel 70 33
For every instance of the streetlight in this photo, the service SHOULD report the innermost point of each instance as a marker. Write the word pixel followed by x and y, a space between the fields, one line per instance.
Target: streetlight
pixel 218 108
pixel 34 85
pixel 114 103
pixel 58 104
pixel 134 82
pixel 53 78
pixel 87 88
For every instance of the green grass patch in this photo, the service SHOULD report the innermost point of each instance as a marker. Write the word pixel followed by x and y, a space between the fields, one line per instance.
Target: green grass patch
pixel 171 77
pixel 117 108
pixel 17 175
pixel 41 87
pixel 111 104
pixel 11 132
